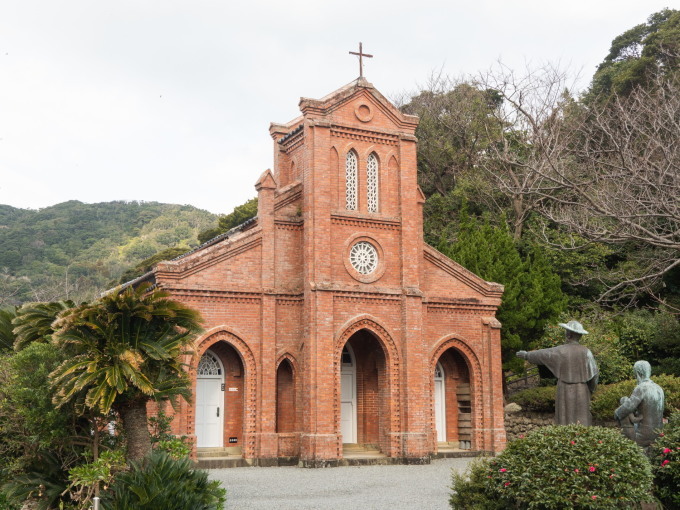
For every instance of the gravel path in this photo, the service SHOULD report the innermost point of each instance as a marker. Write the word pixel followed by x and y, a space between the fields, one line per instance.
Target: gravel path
pixel 355 487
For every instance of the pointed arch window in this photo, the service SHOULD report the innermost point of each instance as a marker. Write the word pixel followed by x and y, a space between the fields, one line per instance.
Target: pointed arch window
pixel 372 183
pixel 351 181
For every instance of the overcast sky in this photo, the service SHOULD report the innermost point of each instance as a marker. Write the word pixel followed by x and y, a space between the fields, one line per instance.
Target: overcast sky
pixel 170 101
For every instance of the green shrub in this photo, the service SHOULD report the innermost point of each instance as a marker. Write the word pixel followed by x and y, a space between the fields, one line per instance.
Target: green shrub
pixel 665 457
pixel 44 481
pixel 540 399
pixel 606 399
pixel 559 467
pixel 84 478
pixel 470 489
pixel 160 482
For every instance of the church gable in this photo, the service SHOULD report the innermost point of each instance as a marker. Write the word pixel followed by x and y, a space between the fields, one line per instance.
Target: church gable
pixel 232 263
pixel 359 104
pixel 442 277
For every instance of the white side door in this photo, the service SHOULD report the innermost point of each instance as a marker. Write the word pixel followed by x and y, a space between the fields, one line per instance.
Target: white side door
pixel 348 398
pixel 439 404
pixel 209 402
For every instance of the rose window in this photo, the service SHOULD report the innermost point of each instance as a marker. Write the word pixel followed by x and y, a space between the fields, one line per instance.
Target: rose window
pixel 364 257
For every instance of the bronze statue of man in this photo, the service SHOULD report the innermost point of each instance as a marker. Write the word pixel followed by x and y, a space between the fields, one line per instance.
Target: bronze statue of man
pixel 574 366
pixel 646 402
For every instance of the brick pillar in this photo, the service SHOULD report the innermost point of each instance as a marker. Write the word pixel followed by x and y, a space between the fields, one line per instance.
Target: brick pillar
pixel 494 417
pixel 266 440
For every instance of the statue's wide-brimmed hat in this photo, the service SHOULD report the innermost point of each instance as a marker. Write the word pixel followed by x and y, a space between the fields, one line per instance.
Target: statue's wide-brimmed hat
pixel 574 326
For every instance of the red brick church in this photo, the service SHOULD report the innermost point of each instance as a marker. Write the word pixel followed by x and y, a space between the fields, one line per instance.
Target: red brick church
pixel 330 324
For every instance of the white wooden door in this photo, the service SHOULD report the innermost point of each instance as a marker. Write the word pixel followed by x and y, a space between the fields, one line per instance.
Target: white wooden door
pixel 209 402
pixel 439 404
pixel 348 398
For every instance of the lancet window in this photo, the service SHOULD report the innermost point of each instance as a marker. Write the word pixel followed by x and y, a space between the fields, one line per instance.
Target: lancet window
pixel 351 181
pixel 372 183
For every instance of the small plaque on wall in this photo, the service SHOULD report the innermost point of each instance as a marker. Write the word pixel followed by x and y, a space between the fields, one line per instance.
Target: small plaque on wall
pixel 233 440
pixel 233 389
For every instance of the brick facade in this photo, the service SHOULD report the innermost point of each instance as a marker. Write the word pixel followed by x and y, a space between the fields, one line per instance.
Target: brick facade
pixel 281 300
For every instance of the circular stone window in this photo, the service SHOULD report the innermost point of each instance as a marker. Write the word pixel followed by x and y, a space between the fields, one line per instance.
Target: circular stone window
pixel 364 257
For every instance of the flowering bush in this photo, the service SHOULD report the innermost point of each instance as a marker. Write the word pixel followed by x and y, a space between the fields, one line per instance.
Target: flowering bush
pixel 666 463
pixel 558 467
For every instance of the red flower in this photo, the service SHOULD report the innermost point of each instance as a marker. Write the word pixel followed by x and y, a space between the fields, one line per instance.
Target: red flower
pixel 575 470
pixel 665 462
pixel 591 469
pixel 502 470
pixel 667 450
pixel 506 484
pixel 593 496
pixel 573 442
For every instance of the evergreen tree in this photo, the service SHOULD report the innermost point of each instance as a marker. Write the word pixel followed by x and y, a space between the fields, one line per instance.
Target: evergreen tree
pixel 533 295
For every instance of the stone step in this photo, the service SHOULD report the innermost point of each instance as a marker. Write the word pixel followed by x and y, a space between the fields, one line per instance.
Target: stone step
pixel 221 462
pixel 218 452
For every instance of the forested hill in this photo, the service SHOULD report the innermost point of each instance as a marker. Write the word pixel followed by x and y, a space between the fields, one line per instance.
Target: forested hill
pixel 74 250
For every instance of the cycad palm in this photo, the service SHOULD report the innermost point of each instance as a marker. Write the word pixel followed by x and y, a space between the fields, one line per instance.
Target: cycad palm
pixel 7 335
pixel 33 322
pixel 125 349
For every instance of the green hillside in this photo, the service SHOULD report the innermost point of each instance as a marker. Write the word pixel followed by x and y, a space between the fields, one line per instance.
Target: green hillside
pixel 75 250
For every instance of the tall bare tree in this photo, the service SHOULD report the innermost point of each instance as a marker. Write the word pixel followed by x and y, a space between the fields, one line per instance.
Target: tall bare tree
pixel 622 183
pixel 528 139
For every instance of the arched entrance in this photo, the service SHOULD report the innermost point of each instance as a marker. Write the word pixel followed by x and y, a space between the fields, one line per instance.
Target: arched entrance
pixel 219 398
pixel 452 401
pixel 364 396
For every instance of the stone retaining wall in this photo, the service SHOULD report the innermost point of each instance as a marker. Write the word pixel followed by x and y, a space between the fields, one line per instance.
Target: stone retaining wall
pixel 519 422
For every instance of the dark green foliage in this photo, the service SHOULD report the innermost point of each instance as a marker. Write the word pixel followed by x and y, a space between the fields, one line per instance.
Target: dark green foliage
pixel 240 214
pixel 43 481
pixel 665 458
pixel 470 489
pixel 638 54
pixel 7 336
pixel 29 423
pixel 453 132
pixel 162 483
pixel 559 467
pixel 540 399
pixel 653 336
pixel 74 250
pixel 532 298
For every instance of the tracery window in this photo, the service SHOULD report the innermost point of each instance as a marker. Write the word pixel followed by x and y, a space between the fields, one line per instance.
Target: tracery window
pixel 351 181
pixel 209 365
pixel 372 183
pixel 364 257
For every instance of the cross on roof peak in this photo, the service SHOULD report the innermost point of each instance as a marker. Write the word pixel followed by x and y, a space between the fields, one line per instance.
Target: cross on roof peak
pixel 361 54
